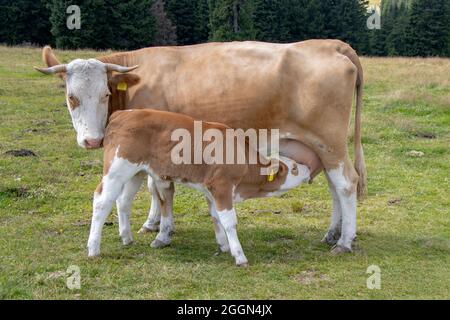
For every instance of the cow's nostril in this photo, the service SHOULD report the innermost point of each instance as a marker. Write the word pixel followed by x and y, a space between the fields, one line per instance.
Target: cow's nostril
pixel 93 143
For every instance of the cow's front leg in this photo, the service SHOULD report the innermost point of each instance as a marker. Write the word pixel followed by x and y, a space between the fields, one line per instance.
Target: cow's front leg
pixel 164 193
pixel 154 215
pixel 334 231
pixel 124 208
pixel 221 236
pixel 344 179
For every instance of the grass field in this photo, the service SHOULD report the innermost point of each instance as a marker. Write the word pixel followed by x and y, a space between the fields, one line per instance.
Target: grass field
pixel 403 225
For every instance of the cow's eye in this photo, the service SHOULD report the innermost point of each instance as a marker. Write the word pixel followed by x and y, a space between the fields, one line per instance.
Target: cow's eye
pixel 73 101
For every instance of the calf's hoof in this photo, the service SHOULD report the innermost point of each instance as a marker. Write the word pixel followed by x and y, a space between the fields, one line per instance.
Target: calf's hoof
pixel 331 238
pixel 93 253
pixel 338 250
pixel 159 244
pixel 148 229
pixel 127 242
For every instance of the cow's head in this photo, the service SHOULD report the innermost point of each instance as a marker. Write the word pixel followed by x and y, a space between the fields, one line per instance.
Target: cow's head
pixel 87 95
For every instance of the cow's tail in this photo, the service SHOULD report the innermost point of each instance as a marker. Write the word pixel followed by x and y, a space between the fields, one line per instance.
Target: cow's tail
pixel 360 165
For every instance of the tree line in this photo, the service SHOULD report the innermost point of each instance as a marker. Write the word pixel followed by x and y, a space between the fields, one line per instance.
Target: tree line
pixel 408 27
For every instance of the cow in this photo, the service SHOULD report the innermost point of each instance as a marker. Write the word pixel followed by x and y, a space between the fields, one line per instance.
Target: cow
pixel 141 141
pixel 304 89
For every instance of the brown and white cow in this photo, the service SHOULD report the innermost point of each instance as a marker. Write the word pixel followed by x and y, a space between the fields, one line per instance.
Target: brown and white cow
pixel 304 89
pixel 141 141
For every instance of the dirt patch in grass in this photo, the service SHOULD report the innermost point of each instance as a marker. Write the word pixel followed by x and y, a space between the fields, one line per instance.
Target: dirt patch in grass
pixel 21 153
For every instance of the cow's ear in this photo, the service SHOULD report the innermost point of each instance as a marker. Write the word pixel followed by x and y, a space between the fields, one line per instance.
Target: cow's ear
pixel 50 60
pixel 123 81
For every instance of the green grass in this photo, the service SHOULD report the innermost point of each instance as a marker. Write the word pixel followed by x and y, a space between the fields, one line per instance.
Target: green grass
pixel 403 225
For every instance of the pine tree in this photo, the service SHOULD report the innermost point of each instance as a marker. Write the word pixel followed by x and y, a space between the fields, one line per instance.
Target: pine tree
pixel 105 24
pixel 201 28
pixel 165 31
pixel 428 28
pixel 24 21
pixel 231 20
pixel 182 14
pixel 270 20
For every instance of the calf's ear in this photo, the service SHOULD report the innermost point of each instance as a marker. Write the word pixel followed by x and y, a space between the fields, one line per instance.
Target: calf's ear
pixel 123 81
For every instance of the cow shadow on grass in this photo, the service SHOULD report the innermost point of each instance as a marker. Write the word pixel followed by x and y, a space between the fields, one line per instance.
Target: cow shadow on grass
pixel 275 245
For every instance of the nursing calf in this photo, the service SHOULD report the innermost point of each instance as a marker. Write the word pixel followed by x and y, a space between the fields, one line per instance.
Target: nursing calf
pixel 139 143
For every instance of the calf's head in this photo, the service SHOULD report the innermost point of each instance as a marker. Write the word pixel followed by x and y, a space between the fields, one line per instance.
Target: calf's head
pixel 87 96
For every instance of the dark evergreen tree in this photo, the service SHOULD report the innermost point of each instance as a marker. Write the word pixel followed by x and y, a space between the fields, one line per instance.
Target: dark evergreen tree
pixel 271 20
pixel 428 28
pixel 165 31
pixel 24 21
pixel 231 20
pixel 111 24
pixel 347 20
pixel 182 14
pixel 201 27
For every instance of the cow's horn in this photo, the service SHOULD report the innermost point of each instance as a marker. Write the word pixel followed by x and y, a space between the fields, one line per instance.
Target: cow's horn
pixel 117 68
pixel 52 70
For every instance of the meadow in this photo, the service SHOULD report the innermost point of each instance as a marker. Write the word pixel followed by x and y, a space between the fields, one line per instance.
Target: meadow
pixel 403 224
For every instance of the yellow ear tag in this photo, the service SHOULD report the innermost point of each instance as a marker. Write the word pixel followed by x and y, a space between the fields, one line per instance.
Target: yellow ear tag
pixel 271 176
pixel 122 86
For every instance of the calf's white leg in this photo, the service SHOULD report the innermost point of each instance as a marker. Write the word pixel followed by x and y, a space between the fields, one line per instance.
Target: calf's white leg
pixel 120 172
pixel 124 207
pixel 164 193
pixel 154 215
pixel 228 219
pixel 221 236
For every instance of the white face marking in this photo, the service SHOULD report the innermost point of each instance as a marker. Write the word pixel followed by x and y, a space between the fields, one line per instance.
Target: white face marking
pixel 87 82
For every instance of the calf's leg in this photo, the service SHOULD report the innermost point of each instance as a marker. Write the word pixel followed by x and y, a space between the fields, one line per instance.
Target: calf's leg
pixel 164 193
pixel 154 215
pixel 223 203
pixel 124 208
pixel 119 172
pixel 221 236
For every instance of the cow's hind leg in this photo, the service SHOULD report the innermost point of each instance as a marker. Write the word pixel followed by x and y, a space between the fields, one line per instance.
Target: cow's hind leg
pixel 344 179
pixel 154 215
pixel 124 208
pixel 164 193
pixel 334 231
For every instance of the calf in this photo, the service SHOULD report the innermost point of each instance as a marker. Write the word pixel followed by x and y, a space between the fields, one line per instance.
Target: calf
pixel 139 143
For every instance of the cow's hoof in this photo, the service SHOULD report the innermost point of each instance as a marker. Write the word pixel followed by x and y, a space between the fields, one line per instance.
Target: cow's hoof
pixel 93 254
pixel 145 229
pixel 331 238
pixel 159 244
pixel 127 242
pixel 338 250
pixel 242 265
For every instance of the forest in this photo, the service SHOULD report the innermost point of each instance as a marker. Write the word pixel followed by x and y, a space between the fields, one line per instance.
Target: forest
pixel 407 27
